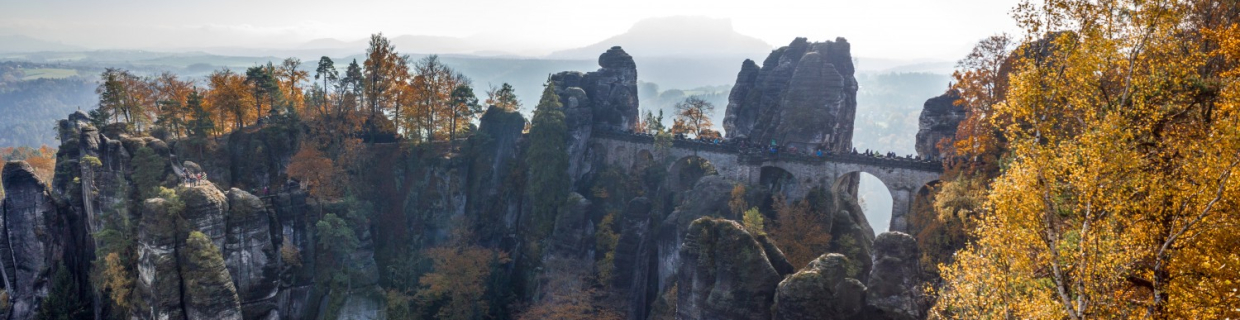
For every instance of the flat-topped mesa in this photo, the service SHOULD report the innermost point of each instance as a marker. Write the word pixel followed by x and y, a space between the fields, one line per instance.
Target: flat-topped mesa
pixel 804 95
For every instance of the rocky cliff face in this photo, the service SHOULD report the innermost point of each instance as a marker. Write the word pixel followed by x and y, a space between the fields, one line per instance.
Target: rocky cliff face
pixel 605 99
pixel 940 117
pixel 176 278
pixel 805 95
pixel 893 284
pixel 250 252
pixel 28 248
pixel 159 276
pixel 725 273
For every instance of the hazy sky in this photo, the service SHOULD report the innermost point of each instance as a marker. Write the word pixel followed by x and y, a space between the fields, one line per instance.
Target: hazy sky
pixel 899 29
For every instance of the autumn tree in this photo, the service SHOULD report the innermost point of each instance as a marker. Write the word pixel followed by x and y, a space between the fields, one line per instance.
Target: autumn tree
pixel 458 284
pixel 1117 190
pixel 980 81
pixel 289 77
pixel 315 170
pixel 433 84
pixel 380 73
pixel 693 115
pixel 229 97
pixel 171 94
pixel 800 231
pixel 43 161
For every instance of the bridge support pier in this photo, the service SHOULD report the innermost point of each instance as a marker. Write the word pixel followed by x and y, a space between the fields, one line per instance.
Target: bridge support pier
pixel 901 204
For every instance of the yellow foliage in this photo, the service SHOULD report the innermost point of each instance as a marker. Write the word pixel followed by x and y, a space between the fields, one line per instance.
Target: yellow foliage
pixel 118 280
pixel 1120 195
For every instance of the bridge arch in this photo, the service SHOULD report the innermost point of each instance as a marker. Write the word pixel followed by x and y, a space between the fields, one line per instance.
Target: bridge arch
pixel 878 198
pixel 778 180
pixel 642 159
pixel 687 170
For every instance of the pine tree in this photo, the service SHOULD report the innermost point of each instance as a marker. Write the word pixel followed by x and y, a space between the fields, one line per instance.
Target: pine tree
pixel 548 159
pixel 328 73
pixel 148 171
pixel 464 107
pixel 64 301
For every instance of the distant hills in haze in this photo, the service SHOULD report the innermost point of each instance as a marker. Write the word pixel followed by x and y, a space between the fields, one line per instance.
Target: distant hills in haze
pixel 679 52
pixel 16 43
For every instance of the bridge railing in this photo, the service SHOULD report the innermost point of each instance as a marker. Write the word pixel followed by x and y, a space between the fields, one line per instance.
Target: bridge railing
pixel 759 153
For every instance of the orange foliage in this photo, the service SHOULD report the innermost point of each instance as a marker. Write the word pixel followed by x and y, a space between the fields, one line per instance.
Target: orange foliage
pixel 799 232
pixel 460 279
pixel 314 170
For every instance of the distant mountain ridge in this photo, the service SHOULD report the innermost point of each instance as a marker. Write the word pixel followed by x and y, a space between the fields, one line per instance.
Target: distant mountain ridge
pixel 694 36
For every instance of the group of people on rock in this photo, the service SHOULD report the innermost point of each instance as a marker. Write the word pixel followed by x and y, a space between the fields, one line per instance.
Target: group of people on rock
pixel 194 178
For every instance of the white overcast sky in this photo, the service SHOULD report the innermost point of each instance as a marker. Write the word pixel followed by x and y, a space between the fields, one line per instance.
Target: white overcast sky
pixel 896 29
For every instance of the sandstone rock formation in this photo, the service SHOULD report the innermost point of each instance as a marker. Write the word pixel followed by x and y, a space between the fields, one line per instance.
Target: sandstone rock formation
pixel 28 247
pixel 250 253
pixel 159 275
pixel 939 118
pixel 804 95
pixel 605 99
pixel 205 208
pixel 724 273
pixel 825 289
pixel 209 291
pixel 571 236
pixel 708 198
pixel 893 283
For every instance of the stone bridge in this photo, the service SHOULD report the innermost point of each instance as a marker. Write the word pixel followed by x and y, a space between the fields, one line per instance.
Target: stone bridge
pixel 792 174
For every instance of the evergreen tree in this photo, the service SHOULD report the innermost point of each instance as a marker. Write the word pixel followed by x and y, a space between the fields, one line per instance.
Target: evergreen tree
pixel 148 171
pixel 352 83
pixel 264 86
pixel 327 72
pixel 548 159
pixel 464 107
pixel 64 301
